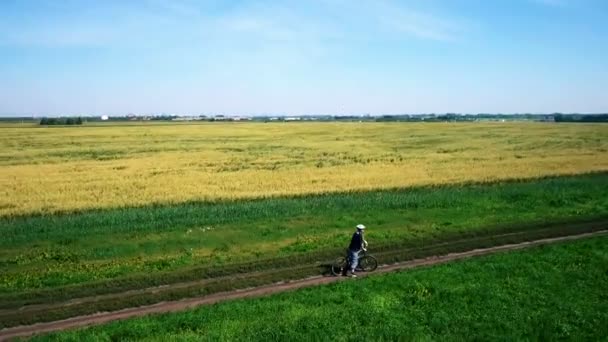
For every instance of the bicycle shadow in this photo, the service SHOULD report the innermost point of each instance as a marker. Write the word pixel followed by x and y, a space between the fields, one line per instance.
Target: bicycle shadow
pixel 325 269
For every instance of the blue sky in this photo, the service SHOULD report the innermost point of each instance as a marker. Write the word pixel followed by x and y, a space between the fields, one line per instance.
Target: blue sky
pixel 303 57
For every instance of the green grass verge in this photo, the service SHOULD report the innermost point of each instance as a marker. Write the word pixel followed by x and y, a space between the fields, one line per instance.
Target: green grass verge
pixel 547 293
pixel 52 308
pixel 41 252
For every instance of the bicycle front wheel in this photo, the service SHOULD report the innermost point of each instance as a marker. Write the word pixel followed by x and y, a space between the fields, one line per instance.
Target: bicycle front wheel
pixel 368 263
pixel 338 266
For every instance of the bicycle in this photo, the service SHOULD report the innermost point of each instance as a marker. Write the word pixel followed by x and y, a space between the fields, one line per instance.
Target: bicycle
pixel 367 263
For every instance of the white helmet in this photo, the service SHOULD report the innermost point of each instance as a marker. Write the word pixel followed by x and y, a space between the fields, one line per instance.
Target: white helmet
pixel 360 227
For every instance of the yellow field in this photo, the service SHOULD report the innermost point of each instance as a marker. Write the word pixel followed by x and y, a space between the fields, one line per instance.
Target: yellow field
pixel 65 168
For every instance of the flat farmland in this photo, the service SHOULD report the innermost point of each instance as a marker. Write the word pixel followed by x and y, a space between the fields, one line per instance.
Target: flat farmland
pixel 63 169
pixel 93 212
pixel 161 156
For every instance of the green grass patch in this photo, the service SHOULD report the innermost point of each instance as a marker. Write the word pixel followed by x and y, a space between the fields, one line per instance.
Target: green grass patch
pixel 41 252
pixel 50 304
pixel 547 293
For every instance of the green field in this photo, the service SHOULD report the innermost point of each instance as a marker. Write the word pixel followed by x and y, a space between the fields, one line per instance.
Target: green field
pixel 547 293
pixel 53 251
pixel 88 213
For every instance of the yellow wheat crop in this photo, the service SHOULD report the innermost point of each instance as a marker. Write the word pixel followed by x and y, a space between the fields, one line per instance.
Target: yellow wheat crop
pixel 52 169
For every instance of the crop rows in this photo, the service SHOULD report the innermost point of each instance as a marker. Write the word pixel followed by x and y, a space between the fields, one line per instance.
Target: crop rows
pixel 62 169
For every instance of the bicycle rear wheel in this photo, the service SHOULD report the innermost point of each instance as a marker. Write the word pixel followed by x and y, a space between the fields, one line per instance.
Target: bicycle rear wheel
pixel 368 263
pixel 338 266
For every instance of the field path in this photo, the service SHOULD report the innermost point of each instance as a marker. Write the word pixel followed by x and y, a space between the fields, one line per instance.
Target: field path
pixel 104 317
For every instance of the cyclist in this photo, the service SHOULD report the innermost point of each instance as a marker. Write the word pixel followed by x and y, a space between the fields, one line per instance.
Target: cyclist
pixel 357 244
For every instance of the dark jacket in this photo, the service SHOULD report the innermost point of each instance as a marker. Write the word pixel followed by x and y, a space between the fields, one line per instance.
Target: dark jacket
pixel 356 243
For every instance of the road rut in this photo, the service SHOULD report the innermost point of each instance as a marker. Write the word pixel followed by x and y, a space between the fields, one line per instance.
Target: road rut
pixel 172 306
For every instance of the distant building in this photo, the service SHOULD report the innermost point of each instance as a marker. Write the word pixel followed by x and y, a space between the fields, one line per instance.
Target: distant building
pixel 548 118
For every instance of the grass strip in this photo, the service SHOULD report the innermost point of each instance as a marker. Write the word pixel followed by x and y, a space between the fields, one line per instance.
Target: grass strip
pixel 191 274
pixel 548 293
pixel 10 318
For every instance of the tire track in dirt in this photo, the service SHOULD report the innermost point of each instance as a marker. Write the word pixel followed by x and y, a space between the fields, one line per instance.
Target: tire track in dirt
pixel 179 305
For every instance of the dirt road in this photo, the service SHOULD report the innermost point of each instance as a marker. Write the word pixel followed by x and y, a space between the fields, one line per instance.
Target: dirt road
pixel 104 317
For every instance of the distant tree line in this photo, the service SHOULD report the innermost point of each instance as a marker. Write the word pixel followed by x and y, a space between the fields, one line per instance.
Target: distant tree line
pixel 61 121
pixel 164 117
pixel 581 118
pixel 447 117
pixel 450 117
